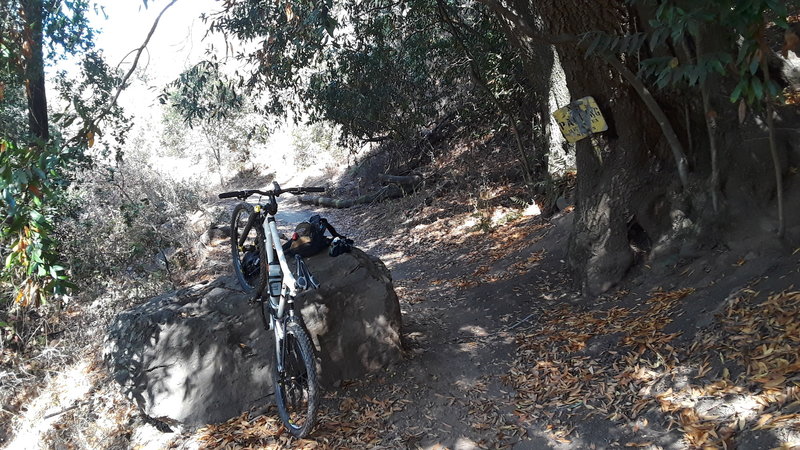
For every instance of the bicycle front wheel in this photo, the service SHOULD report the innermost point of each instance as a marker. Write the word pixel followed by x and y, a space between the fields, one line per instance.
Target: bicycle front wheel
pixel 296 388
pixel 250 257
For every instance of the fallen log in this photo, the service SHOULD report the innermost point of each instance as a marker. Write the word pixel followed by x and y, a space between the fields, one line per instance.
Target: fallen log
pixel 391 191
pixel 398 179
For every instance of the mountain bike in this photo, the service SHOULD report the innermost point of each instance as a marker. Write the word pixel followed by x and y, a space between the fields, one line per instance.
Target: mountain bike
pixel 263 271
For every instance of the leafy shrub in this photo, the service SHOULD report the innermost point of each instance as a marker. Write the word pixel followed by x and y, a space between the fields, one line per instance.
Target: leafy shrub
pixel 127 220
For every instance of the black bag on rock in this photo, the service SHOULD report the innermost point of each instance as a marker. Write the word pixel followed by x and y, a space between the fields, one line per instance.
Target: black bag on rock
pixel 309 237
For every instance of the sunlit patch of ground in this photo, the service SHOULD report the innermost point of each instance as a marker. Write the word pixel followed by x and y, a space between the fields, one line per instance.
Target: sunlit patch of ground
pixel 65 391
pixel 75 409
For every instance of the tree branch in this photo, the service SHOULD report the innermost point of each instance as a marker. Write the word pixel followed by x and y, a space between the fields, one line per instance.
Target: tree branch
pixel 138 55
pixel 134 65
pixel 527 170
pixel 658 114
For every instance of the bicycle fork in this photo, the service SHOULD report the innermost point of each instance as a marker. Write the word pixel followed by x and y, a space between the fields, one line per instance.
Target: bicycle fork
pixel 280 336
pixel 279 328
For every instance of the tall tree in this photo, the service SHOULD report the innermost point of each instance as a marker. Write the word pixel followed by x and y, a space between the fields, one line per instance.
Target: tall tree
pixel 637 176
pixel 33 13
pixel 35 161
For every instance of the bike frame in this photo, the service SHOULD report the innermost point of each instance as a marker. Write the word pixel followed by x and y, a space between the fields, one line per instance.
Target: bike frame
pixel 278 309
pixel 289 283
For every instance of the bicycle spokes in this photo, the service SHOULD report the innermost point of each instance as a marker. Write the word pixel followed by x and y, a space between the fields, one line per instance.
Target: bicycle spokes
pixel 293 381
pixel 250 263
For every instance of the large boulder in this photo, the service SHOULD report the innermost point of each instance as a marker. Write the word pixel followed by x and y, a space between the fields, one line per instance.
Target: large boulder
pixel 201 355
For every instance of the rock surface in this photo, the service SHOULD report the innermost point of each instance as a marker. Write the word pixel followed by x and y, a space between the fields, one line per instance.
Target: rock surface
pixel 201 355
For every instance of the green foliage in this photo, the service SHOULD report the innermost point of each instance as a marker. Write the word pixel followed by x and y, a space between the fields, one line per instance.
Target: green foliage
pixel 224 118
pixel 29 190
pixel 315 142
pixel 122 216
pixel 378 69
pixel 85 98
pixel 675 25
pixel 750 19
pixel 290 37
pixel 66 29
pixel 13 111
pixel 66 25
pixel 390 81
pixel 34 175
pixel 202 92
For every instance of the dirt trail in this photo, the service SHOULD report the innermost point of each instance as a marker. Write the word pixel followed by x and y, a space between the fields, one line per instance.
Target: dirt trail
pixel 502 352
pixel 463 303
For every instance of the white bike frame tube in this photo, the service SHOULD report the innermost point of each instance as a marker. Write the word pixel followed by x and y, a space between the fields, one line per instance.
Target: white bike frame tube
pixel 273 241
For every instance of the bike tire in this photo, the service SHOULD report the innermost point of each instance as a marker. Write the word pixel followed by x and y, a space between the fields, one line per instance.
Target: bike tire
pixel 296 389
pixel 251 280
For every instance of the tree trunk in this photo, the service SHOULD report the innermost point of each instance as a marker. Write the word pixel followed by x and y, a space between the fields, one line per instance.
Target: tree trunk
pixel 410 180
pixel 549 93
pixel 33 15
pixel 615 169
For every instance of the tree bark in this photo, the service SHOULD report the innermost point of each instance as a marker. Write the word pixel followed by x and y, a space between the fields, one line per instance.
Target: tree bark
pixel 615 169
pixel 33 53
pixel 773 151
pixel 658 114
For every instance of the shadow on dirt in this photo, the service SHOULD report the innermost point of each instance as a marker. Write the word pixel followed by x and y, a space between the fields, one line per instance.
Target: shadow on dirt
pixel 502 351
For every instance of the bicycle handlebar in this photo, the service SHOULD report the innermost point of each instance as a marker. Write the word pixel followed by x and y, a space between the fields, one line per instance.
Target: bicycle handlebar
pixel 272 192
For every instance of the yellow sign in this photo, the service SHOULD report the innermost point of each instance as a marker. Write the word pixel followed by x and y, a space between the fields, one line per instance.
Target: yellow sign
pixel 580 119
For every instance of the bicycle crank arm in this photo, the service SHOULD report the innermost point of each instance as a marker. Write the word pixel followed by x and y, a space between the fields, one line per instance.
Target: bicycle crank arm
pixel 312 280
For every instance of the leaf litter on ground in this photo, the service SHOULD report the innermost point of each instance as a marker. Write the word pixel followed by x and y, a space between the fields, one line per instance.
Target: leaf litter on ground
pixel 558 382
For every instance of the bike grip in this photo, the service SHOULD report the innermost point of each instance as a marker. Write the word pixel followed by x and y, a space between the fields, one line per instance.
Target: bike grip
pixel 314 189
pixel 233 194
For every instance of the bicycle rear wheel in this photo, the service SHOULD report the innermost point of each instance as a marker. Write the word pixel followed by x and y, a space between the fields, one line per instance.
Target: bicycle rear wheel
pixel 296 388
pixel 249 258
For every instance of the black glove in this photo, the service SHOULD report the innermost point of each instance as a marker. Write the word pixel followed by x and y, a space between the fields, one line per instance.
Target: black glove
pixel 340 245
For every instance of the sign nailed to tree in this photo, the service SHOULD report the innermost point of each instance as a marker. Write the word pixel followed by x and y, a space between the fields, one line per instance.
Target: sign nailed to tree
pixel 580 119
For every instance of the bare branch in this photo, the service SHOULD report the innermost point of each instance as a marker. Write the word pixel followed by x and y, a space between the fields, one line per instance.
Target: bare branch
pixel 135 63
pixel 88 126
